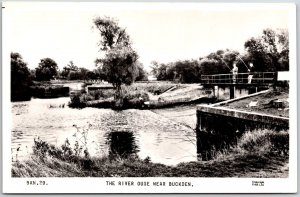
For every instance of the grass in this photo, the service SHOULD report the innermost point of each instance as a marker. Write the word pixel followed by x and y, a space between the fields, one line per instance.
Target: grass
pixel 260 153
pixel 265 103
pixel 134 95
pixel 259 142
pixel 40 89
pixel 155 88
pixel 142 95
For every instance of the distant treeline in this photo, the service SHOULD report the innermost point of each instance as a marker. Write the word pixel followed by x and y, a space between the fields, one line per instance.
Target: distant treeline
pixel 22 78
pixel 268 52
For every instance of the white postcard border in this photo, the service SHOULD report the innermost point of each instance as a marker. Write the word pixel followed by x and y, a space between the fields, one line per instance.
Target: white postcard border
pixel 200 185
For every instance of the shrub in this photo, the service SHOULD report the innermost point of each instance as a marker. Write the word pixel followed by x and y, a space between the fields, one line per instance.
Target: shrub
pixel 101 94
pixel 39 90
pixel 264 141
pixel 78 154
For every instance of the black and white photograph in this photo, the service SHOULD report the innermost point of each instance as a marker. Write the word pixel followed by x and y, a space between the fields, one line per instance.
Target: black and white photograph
pixel 144 97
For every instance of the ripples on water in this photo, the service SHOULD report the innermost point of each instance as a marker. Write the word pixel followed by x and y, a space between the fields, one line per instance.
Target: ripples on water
pixel 132 131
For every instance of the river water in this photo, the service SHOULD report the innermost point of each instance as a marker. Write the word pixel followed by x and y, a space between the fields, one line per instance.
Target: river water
pixel 140 132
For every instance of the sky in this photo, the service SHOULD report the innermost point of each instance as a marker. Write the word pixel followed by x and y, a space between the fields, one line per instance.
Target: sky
pixel 163 32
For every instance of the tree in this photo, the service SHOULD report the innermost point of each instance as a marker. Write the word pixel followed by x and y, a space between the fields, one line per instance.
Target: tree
pixel 270 51
pixel 46 70
pixel 118 64
pixel 142 74
pixel 91 75
pixel 67 69
pixel 72 66
pixel 111 33
pixel 154 68
pixel 20 78
pixel 218 62
pixel 119 68
pixel 187 71
pixel 283 42
pixel 162 72
pixel 73 75
pixel 83 73
pixel 99 74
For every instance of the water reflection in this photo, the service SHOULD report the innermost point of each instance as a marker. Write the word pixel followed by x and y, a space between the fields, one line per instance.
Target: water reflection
pixel 132 131
pixel 208 144
pixel 121 144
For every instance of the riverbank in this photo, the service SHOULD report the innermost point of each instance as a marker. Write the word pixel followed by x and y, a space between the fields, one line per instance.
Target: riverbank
pixel 48 90
pixel 144 96
pixel 261 153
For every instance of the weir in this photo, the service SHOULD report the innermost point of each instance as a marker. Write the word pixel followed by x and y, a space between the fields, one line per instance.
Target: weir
pixel 219 127
pixel 229 86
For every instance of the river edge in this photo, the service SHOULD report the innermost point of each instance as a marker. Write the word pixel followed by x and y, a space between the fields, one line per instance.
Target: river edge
pixel 259 154
pixel 266 160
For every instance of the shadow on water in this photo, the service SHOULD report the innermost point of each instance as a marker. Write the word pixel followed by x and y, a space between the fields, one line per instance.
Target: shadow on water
pixel 121 144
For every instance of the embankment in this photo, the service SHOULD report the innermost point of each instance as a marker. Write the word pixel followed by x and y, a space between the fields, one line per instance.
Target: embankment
pixel 261 153
pixel 221 124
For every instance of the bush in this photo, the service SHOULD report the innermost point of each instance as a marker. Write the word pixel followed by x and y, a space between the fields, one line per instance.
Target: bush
pixel 78 154
pixel 101 94
pixel 43 90
pixel 77 101
pixel 264 141
pixel 134 98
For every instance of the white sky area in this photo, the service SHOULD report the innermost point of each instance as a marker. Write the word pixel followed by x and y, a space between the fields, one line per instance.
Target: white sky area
pixel 159 31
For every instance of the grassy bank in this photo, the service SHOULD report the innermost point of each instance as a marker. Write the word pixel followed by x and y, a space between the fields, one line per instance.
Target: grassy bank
pixel 37 89
pixel 261 153
pixel 47 90
pixel 274 102
pixel 143 95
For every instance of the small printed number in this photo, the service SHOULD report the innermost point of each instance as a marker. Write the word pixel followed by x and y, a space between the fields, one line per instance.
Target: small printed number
pixel 40 182
pixel 258 183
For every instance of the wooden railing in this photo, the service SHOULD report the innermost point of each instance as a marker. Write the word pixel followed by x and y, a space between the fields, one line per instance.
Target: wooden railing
pixel 240 78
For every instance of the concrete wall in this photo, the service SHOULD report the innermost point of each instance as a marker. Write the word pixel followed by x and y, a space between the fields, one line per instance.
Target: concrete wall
pixel 217 132
pixel 218 127
pixel 222 93
pixel 226 92
pixel 239 92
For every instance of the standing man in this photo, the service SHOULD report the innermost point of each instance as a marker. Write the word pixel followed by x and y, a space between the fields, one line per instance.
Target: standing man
pixel 234 71
pixel 250 70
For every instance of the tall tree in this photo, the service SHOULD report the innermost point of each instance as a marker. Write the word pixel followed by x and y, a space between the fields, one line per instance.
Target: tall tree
pixel 218 62
pixel 46 70
pixel 20 78
pixel 118 63
pixel 67 69
pixel 270 51
pixel 154 68
pixel 111 33
pixel 142 74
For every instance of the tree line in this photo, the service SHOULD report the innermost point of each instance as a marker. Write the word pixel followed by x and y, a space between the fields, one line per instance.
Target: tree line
pixel 47 70
pixel 121 65
pixel 268 52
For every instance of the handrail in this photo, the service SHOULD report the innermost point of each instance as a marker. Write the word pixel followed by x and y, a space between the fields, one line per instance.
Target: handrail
pixel 239 73
pixel 240 78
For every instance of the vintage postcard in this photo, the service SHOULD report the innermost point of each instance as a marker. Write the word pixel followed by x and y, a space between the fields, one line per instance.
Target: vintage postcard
pixel 154 97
